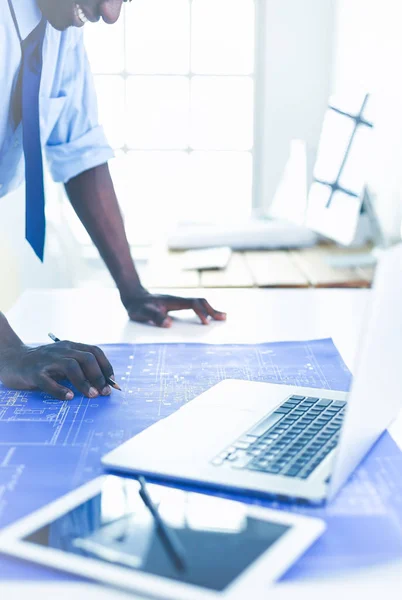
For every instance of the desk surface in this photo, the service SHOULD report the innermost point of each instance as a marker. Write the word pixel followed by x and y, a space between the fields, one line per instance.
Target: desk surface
pixel 253 316
pixel 97 316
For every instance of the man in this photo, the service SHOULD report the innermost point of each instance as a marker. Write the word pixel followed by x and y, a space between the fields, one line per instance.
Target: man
pixel 48 103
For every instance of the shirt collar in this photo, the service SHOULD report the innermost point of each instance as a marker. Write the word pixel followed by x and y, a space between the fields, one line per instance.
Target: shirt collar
pixel 28 15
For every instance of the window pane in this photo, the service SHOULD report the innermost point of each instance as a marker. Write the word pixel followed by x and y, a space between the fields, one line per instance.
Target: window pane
pixel 158 36
pixel 339 221
pixel 222 36
pixel 110 93
pixel 335 136
pixel 220 186
pixel 152 188
pixel 222 113
pixel 355 171
pixel 105 46
pixel 158 109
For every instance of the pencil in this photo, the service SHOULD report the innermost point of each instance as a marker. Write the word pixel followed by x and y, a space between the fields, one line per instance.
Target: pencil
pixel 109 380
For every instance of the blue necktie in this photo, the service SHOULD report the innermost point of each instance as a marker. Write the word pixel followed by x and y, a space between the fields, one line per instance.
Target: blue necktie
pixel 31 69
pixel 26 108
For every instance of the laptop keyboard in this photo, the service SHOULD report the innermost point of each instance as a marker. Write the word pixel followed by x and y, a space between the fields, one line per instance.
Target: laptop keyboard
pixel 292 441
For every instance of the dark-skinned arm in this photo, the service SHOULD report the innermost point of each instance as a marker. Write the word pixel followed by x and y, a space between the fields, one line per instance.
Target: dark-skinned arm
pixel 93 198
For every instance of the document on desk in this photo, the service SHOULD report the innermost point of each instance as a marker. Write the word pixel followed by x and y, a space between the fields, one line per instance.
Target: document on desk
pixel 48 448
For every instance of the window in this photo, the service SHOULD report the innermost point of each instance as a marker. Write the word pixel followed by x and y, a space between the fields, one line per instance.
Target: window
pixel 175 82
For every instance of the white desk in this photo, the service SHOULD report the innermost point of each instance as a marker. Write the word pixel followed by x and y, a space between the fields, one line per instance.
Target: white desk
pixel 96 316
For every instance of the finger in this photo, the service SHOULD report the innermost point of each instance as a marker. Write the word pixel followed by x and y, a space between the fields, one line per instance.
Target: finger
pixel 174 302
pixel 178 303
pixel 215 314
pixel 73 371
pixel 91 369
pixel 100 356
pixel 200 311
pixel 50 386
pixel 149 313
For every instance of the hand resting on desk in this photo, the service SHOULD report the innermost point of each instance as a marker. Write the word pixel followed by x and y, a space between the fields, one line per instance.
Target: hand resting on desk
pixel 154 308
pixel 24 368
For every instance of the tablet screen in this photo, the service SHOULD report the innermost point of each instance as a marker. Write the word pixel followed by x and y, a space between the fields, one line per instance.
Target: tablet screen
pixel 218 538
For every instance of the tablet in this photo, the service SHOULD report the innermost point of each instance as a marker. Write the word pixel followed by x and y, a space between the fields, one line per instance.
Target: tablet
pixel 106 532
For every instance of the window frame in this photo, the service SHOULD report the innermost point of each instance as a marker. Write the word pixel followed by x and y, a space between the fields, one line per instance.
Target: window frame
pixel 125 74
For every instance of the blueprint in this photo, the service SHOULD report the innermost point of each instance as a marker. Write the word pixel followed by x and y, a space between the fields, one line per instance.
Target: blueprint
pixel 48 448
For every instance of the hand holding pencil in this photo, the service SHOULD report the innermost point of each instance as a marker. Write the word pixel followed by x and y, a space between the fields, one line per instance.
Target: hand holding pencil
pixel 109 379
pixel 45 367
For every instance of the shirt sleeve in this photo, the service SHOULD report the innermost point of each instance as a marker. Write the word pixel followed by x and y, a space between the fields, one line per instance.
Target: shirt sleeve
pixel 76 142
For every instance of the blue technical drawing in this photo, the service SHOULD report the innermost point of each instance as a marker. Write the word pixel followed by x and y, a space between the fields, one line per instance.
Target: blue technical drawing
pixel 48 448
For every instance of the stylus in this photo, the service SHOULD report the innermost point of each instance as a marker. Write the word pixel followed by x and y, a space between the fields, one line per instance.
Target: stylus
pixel 171 541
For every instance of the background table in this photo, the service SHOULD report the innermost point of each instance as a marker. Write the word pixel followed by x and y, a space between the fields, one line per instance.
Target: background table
pixel 303 268
pixel 253 316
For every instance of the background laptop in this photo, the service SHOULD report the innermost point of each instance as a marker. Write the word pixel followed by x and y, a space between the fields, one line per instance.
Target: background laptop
pixel 283 440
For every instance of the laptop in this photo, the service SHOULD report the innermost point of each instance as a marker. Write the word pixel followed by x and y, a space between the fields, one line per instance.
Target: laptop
pixel 283 441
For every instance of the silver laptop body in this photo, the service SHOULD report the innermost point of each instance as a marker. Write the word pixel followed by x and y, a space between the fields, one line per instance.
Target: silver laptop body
pixel 224 437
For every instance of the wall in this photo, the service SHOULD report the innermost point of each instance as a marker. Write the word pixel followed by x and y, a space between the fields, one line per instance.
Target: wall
pixel 10 250
pixel 19 267
pixel 297 72
pixel 368 55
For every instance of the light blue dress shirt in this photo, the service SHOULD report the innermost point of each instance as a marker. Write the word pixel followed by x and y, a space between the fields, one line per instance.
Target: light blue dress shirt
pixel 72 139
